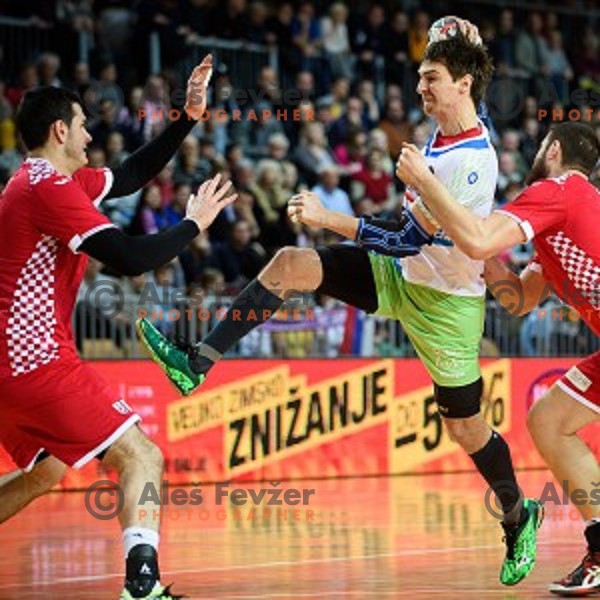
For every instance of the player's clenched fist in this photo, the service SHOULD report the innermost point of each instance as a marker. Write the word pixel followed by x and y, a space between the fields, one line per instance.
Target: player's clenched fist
pixel 306 208
pixel 209 201
pixel 411 167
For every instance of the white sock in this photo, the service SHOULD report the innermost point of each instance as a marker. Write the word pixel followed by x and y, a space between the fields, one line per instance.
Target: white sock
pixel 133 536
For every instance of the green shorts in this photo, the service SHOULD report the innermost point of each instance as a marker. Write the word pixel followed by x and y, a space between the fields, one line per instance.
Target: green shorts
pixel 444 329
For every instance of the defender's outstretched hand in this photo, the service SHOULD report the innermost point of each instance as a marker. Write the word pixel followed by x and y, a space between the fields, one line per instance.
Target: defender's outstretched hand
pixel 208 202
pixel 197 87
pixel 306 208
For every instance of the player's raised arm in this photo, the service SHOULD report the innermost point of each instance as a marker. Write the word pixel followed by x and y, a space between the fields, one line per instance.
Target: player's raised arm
pixel 146 162
pixel 132 255
pixel 478 238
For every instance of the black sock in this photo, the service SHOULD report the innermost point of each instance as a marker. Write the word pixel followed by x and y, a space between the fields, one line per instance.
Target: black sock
pixel 255 305
pixel 494 463
pixel 141 571
pixel 592 535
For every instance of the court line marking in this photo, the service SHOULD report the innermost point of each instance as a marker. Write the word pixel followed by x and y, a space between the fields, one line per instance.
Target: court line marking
pixel 445 591
pixel 267 565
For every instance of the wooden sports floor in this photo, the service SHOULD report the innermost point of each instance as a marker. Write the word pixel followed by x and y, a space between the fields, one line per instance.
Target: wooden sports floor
pixel 415 537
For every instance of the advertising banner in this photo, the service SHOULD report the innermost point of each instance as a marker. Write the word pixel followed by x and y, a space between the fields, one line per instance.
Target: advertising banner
pixel 278 420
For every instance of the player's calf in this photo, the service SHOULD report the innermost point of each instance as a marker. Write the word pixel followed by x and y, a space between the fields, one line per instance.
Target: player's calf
pixel 45 475
pixel 139 463
pixel 18 489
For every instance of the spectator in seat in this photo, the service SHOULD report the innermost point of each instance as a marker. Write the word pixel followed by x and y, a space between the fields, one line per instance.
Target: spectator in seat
pixel 190 167
pixel 368 41
pixel 505 43
pixel 28 79
pixel 378 140
pixel 48 68
pixel 355 117
pixel 329 192
pixel 397 53
pixel 351 156
pixel 507 173
pixel 531 51
pixel 306 34
pixel 312 153
pixel 372 188
pixel 340 91
pixel 396 126
pixel 257 29
pixel 559 67
pixel 336 40
pixel 145 219
pixel 198 257
pixel 366 92
pixel 241 259
pixel 115 150
pixel 511 143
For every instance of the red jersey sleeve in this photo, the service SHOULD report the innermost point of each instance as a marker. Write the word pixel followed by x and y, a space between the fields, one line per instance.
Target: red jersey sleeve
pixel 96 183
pixel 63 210
pixel 541 206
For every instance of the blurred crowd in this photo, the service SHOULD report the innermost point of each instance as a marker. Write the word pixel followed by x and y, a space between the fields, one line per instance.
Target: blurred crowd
pixel 354 65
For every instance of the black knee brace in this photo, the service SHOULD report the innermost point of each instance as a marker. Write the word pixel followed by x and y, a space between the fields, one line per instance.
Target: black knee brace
pixel 459 402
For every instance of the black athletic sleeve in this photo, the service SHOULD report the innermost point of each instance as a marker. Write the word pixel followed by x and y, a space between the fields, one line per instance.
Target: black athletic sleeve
pixel 149 160
pixel 136 254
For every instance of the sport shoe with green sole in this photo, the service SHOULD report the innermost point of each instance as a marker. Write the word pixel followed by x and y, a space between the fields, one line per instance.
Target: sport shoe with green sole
pixel 521 545
pixel 172 358
pixel 158 593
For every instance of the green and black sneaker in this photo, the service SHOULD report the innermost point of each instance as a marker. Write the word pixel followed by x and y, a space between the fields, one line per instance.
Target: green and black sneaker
pixel 521 544
pixel 173 358
pixel 158 592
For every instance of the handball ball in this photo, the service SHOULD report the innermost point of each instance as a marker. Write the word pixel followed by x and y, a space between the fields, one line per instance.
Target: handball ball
pixel 444 29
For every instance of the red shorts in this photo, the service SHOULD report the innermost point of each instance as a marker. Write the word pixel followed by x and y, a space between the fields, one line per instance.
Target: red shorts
pixel 582 382
pixel 63 408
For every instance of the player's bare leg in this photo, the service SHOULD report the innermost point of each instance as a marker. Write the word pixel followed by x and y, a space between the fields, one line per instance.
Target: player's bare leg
pixel 18 488
pixel 291 270
pixel 139 462
pixel 553 423
pixel 472 433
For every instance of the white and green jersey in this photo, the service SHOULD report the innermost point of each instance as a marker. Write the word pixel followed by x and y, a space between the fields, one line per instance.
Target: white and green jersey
pixel 468 166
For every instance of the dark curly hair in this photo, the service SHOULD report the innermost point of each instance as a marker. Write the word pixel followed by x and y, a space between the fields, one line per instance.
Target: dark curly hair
pixel 463 58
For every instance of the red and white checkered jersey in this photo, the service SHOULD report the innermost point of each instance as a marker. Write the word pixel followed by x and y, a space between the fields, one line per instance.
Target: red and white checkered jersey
pixel 44 218
pixel 561 216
